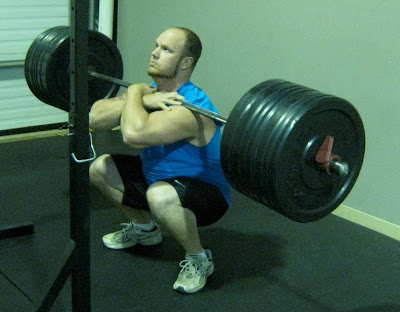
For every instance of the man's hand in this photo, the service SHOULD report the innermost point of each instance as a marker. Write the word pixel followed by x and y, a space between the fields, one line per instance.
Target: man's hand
pixel 161 100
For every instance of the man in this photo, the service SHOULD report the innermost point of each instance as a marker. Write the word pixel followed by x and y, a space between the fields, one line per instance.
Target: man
pixel 177 181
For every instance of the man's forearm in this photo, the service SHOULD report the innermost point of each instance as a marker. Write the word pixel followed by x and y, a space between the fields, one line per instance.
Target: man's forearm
pixel 106 113
pixel 134 116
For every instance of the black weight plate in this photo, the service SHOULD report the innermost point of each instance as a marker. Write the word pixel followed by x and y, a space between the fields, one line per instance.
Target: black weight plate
pixel 47 66
pixel 31 67
pixel 264 159
pixel 105 59
pixel 246 150
pixel 245 121
pixel 55 46
pixel 258 149
pixel 35 63
pixel 304 192
pixel 57 71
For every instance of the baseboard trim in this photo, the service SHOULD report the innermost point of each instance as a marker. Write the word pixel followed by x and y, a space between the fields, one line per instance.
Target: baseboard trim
pixel 33 135
pixel 38 135
pixel 378 225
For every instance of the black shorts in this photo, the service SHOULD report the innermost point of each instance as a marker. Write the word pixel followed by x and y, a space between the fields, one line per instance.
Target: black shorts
pixel 203 199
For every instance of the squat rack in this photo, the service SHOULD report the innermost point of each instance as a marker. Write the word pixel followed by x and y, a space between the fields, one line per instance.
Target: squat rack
pixel 76 258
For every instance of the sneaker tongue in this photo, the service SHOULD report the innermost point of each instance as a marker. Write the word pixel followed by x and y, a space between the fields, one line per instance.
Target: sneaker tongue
pixel 194 257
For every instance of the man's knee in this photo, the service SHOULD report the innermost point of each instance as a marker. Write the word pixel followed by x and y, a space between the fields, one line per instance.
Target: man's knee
pixel 160 196
pixel 98 169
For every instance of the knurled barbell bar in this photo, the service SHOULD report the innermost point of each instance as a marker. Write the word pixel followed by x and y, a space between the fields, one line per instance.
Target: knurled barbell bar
pixel 280 143
pixel 216 117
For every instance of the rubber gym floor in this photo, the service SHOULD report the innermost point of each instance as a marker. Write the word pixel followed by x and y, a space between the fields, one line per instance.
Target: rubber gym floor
pixel 263 261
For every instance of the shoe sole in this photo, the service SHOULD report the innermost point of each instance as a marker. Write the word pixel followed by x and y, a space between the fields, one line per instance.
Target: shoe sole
pixel 129 245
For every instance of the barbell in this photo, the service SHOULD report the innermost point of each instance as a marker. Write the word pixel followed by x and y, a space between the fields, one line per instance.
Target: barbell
pixel 291 148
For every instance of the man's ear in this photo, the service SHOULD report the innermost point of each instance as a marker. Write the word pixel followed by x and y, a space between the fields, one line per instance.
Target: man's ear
pixel 187 62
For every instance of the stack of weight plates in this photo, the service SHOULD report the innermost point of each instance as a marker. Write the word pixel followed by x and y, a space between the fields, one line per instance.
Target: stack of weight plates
pixel 47 66
pixel 270 141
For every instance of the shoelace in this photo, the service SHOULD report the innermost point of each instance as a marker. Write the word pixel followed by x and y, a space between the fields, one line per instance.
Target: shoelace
pixel 190 267
pixel 127 232
pixel 193 266
pixel 124 231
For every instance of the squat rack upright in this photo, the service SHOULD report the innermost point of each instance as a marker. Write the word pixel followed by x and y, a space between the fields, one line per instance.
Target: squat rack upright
pixel 76 258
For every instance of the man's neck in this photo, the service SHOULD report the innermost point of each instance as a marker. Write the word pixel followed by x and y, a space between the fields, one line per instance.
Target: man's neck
pixel 168 84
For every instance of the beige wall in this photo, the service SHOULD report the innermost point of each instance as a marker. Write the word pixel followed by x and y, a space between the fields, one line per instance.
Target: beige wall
pixel 349 48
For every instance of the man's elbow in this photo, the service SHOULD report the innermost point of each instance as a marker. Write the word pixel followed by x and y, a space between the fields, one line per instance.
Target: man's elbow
pixel 132 138
pixel 95 122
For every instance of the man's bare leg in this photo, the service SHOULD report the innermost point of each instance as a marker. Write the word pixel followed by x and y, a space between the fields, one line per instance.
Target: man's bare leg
pixel 181 222
pixel 105 176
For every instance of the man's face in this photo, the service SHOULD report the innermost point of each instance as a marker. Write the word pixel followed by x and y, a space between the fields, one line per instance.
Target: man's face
pixel 166 58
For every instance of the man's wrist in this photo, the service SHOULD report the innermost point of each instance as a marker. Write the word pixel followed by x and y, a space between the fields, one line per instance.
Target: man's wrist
pixel 135 88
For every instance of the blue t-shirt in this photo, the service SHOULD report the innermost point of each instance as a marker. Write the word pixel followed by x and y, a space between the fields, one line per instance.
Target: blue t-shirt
pixel 182 159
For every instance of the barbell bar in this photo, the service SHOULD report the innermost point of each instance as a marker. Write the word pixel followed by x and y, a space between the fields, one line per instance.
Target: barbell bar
pixel 291 148
pixel 216 117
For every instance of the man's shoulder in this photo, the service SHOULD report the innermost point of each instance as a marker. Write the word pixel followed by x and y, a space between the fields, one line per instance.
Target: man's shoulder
pixel 197 96
pixel 191 91
pixel 189 86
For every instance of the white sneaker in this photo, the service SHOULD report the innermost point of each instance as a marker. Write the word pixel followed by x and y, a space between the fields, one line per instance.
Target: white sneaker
pixel 131 235
pixel 194 273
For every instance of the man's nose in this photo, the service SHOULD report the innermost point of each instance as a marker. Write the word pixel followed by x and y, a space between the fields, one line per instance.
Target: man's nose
pixel 155 53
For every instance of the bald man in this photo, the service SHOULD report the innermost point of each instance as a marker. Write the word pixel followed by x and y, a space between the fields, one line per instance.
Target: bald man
pixel 177 181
